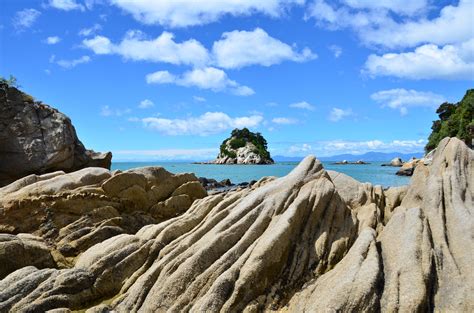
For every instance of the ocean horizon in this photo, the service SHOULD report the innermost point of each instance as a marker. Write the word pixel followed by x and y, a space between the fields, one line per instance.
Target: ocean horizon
pixel 373 173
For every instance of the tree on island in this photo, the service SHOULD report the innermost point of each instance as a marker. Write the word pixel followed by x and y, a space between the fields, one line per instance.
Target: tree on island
pixel 455 120
pixel 239 138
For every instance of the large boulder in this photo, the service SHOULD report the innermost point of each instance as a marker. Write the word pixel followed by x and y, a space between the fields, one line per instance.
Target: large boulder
pixel 37 139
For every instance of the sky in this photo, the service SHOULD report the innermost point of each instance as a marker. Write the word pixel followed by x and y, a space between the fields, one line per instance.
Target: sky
pixel 169 80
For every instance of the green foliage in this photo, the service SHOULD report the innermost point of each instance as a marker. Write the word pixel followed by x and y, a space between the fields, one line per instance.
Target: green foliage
pixel 455 120
pixel 239 138
pixel 11 81
pixel 237 143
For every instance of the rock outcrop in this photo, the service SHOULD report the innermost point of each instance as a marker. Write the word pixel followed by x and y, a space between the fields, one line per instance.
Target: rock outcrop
pixel 311 241
pixel 37 139
pixel 72 212
pixel 243 147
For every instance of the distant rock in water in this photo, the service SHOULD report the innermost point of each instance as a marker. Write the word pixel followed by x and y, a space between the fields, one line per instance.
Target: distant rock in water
pixel 36 139
pixel 397 162
pixel 243 147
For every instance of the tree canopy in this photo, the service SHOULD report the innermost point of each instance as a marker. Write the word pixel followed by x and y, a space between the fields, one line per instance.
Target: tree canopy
pixel 455 120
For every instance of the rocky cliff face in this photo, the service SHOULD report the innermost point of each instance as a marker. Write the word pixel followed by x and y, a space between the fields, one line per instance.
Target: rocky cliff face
pixel 37 139
pixel 311 241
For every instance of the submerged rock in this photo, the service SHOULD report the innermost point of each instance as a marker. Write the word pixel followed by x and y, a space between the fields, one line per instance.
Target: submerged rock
pixel 37 139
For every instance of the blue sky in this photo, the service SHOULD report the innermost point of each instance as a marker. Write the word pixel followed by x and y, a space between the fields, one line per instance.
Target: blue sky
pixel 156 79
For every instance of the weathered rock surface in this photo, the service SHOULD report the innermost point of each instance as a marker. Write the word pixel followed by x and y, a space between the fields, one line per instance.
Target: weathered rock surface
pixel 75 211
pixel 311 241
pixel 37 139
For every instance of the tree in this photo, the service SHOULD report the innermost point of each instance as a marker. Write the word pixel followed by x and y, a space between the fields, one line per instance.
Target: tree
pixel 455 120
pixel 11 81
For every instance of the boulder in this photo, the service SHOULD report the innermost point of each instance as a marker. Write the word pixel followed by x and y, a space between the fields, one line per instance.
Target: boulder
pixel 408 167
pixel 37 139
pixel 395 162
pixel 17 251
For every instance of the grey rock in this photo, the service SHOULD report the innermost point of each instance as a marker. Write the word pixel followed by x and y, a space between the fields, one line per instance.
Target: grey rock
pixel 37 139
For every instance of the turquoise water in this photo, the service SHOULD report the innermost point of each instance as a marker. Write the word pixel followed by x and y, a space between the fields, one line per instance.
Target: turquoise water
pixel 373 173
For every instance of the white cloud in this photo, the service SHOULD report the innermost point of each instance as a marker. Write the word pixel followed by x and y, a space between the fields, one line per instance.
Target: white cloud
pixel 68 64
pixel 336 50
pixel 203 78
pixel 333 147
pixel 191 12
pixel 161 49
pixel 402 99
pixel 199 99
pixel 25 18
pixel 303 105
pixel 108 111
pixel 337 114
pixel 52 40
pixel 145 104
pixel 374 24
pixel 426 62
pixel 166 154
pixel 85 32
pixel 284 121
pixel 404 7
pixel 66 5
pixel 207 124
pixel 237 49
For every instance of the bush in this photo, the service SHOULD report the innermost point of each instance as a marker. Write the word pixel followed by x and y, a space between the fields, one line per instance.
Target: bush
pixel 11 81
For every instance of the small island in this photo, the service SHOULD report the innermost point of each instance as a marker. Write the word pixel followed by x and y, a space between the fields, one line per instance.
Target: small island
pixel 243 147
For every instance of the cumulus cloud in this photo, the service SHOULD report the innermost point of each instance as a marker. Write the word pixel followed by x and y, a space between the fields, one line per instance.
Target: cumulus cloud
pixel 336 50
pixel 66 5
pixel 284 121
pixel 52 40
pixel 302 105
pixel 237 49
pixel 402 99
pixel 204 78
pixel 199 99
pixel 85 32
pixel 426 62
pixel 166 154
pixel 108 111
pixel 207 124
pixel 68 64
pixel 161 49
pixel 190 12
pixel 145 104
pixel 25 18
pixel 338 114
pixel 333 147
pixel 374 23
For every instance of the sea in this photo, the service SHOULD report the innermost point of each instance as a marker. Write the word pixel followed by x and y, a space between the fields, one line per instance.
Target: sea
pixel 373 173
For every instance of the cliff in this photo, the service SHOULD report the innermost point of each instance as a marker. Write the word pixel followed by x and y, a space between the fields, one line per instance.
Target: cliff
pixel 244 147
pixel 36 139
